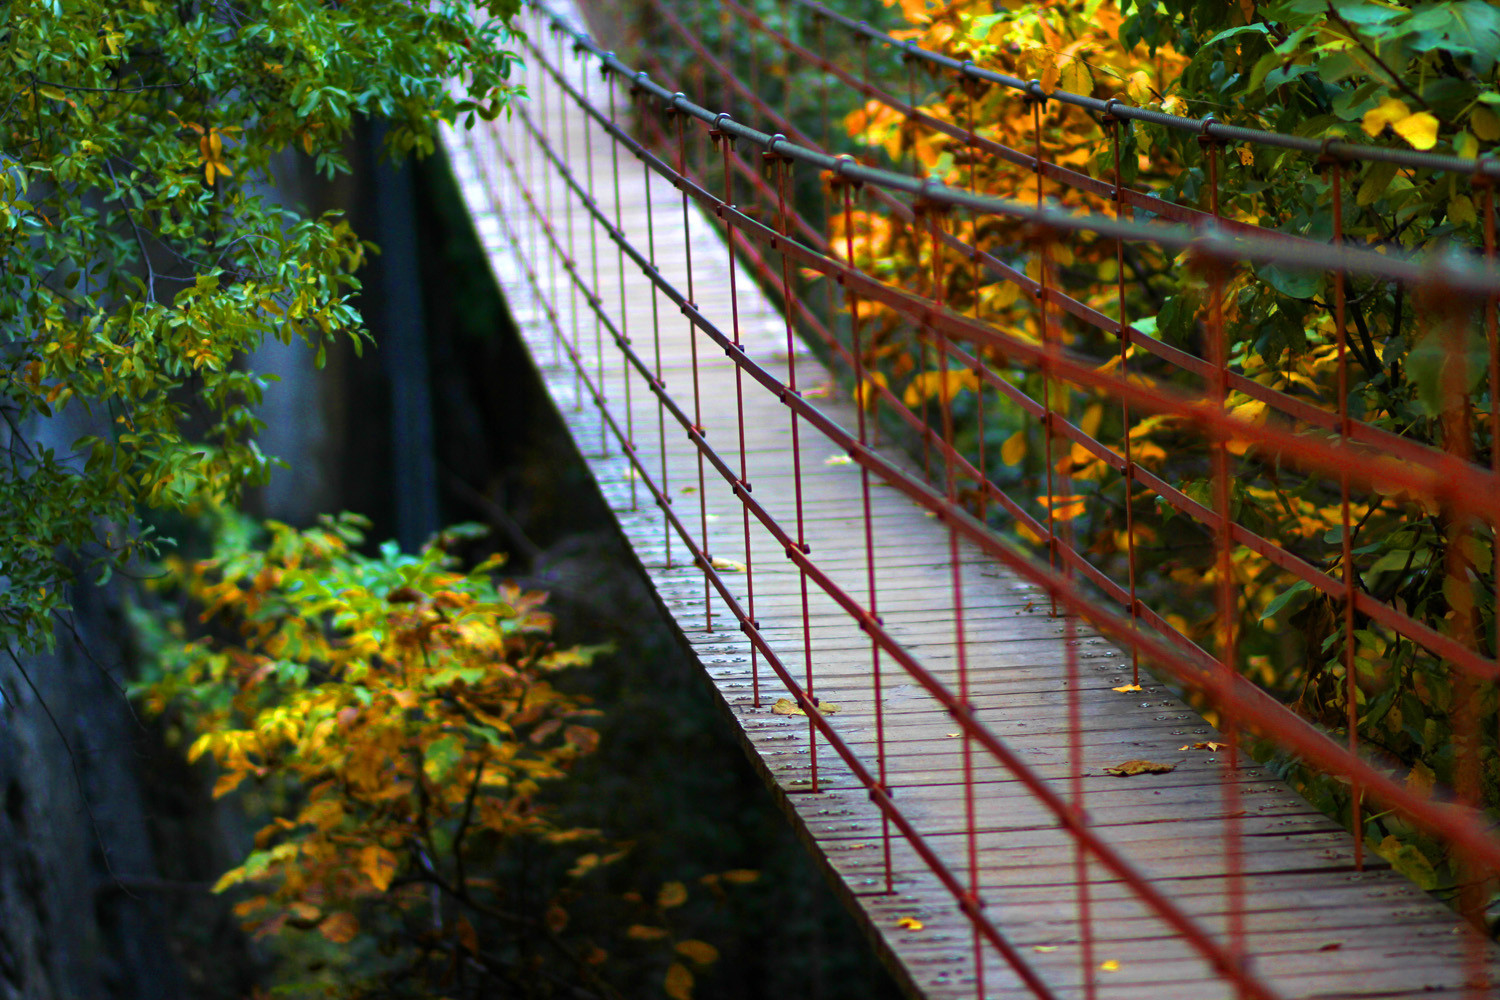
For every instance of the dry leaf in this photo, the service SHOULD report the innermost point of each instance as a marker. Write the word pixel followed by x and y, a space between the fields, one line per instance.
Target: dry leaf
pixel 679 982
pixel 728 565
pixel 699 951
pixel 672 894
pixel 1109 965
pixel 785 706
pixel 339 928
pixel 1127 688
pixel 838 460
pixel 1204 745
pixel 909 923
pixel 1131 767
pixel 1331 946
pixel 1044 948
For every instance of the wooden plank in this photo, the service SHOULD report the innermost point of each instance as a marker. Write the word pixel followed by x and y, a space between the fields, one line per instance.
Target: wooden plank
pixel 1301 892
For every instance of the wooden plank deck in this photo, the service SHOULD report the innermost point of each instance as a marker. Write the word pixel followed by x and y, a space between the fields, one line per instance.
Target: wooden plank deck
pixel 1316 927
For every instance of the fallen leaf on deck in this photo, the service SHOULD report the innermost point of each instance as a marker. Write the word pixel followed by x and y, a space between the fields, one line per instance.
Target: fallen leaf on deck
pixel 1131 767
pixel 1204 745
pixel 1127 688
pixel 909 923
pixel 786 706
pixel 1331 946
pixel 952 735
pixel 1044 947
pixel 729 565
pixel 838 460
pixel 1109 965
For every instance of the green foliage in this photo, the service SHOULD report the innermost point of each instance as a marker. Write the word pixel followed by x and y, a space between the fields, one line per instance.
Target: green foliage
pixel 142 256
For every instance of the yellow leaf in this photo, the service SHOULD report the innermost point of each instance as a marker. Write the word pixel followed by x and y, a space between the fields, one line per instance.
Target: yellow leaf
pixel 1044 948
pixel 1390 111
pixel 672 894
pixel 785 706
pixel 1246 155
pixel 1127 688
pixel 1461 210
pixel 1109 965
pixel 1014 448
pixel 1485 123
pixel 910 923
pixel 699 951
pixel 728 565
pixel 379 866
pixel 1421 130
pixel 228 783
pixel 1076 78
pixel 1139 87
pixel 339 928
pixel 679 982
pixel 838 460
pixel 1131 767
pixel 641 932
pixel 740 876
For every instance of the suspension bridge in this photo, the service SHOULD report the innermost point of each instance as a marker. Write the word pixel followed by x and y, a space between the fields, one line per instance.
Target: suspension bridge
pixel 991 750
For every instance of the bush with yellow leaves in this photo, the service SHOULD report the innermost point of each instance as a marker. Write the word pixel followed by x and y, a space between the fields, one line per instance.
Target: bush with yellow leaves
pixel 397 720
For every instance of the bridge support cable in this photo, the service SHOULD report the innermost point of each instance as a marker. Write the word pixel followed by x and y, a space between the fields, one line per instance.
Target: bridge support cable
pixel 1059 878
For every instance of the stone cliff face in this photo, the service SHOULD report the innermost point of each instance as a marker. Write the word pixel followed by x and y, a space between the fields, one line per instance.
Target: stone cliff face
pixel 67 928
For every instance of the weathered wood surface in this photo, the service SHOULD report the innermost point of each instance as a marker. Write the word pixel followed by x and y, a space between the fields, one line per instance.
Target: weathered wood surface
pixel 1316 927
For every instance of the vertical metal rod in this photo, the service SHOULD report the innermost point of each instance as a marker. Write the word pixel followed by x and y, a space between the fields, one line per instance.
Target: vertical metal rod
pixel 571 263
pixel 692 332
pixel 1346 554
pixel 955 565
pixel 864 395
pixel 614 156
pixel 1046 332
pixel 982 492
pixel 783 168
pixel 727 146
pixel 544 92
pixel 1228 606
pixel 597 310
pixel 661 418
pixel 1125 350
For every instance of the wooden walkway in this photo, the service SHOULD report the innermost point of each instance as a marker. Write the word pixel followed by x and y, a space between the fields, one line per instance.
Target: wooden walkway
pixel 1316 927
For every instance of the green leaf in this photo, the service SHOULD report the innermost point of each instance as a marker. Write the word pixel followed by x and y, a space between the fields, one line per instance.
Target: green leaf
pixel 1301 589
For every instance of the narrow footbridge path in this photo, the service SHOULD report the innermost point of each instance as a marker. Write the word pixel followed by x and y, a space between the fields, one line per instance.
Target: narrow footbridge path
pixel 938 711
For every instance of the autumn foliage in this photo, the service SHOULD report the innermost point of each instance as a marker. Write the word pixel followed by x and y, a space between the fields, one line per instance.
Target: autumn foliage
pixel 396 720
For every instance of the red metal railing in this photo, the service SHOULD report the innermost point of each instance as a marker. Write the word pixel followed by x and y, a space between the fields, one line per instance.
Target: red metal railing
pixel 684 142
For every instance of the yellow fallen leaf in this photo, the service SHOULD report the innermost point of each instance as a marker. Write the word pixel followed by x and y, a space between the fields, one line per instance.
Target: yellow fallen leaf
pixel 727 565
pixel 909 923
pixel 1127 688
pixel 1109 965
pixel 1132 767
pixel 785 706
pixel 1044 948
pixel 1204 745
pixel 838 460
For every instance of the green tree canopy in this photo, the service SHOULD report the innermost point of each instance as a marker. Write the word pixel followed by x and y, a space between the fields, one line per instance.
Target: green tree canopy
pixel 142 256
